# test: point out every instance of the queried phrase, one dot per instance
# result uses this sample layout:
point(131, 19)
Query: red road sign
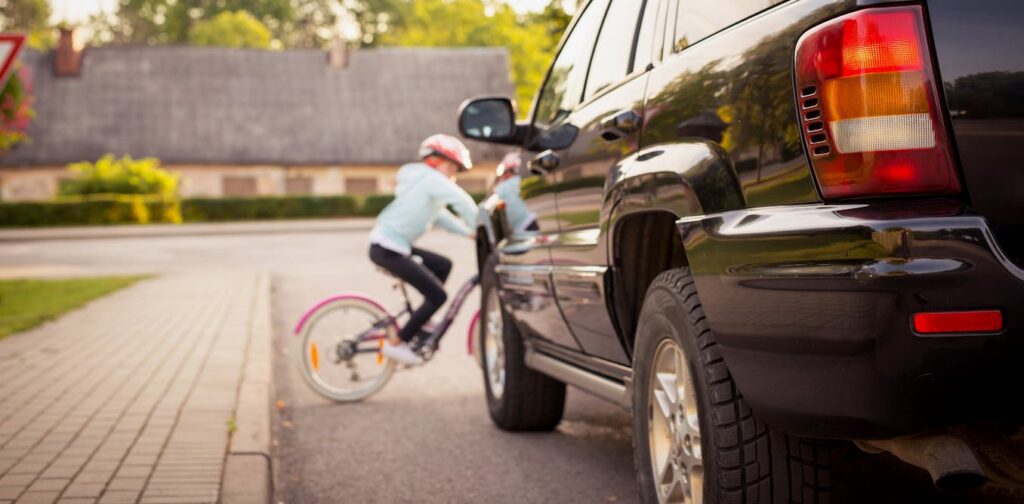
point(10, 46)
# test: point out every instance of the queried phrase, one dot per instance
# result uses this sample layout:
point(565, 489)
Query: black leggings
point(428, 278)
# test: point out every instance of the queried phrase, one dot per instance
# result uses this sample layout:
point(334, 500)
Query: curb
point(199, 229)
point(247, 472)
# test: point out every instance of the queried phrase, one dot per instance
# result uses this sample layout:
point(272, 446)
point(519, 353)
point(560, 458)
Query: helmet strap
point(433, 160)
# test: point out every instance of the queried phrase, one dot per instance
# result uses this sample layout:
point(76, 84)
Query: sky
point(76, 11)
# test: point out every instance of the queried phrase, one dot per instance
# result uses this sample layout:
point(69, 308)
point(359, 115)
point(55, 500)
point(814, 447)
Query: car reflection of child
point(423, 193)
point(520, 218)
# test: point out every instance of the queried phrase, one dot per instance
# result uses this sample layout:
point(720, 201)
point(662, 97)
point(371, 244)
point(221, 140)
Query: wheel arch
point(652, 190)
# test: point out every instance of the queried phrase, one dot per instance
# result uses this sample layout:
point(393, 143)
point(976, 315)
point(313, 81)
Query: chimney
point(68, 61)
point(338, 55)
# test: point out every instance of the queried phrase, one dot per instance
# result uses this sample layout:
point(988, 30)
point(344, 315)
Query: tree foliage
point(530, 39)
point(292, 23)
point(15, 108)
point(231, 29)
point(112, 175)
point(31, 17)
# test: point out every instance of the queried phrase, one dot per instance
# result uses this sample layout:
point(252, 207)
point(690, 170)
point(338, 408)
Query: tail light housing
point(869, 106)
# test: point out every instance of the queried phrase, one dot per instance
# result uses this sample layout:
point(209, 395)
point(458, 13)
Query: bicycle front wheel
point(341, 343)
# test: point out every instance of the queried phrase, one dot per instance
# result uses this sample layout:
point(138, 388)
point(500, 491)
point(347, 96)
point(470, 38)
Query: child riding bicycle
point(423, 193)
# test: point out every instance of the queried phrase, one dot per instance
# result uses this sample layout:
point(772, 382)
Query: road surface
point(427, 436)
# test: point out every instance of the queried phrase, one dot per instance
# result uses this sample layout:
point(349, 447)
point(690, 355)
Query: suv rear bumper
point(812, 305)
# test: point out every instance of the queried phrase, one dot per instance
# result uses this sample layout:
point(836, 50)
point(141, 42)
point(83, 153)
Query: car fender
point(688, 178)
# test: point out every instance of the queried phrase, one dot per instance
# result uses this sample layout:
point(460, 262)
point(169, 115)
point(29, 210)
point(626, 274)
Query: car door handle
point(543, 163)
point(621, 123)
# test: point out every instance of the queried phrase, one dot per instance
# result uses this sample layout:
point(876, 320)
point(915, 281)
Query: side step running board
point(600, 386)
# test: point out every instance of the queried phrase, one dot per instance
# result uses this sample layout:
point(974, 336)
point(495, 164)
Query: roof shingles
point(231, 106)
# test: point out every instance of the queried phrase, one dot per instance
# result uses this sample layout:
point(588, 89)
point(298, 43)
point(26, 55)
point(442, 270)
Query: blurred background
point(145, 111)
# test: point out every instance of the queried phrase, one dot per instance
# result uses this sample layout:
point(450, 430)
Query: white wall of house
point(41, 183)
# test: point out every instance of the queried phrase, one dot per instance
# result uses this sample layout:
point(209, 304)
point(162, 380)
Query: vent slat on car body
point(810, 121)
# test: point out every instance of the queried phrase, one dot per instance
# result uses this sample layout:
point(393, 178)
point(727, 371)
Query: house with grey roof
point(243, 122)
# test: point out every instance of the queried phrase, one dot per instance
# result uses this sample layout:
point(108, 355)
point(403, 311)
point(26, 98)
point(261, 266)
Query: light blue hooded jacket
point(519, 217)
point(421, 198)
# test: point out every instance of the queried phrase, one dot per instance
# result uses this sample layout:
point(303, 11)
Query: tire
point(319, 336)
point(736, 458)
point(518, 398)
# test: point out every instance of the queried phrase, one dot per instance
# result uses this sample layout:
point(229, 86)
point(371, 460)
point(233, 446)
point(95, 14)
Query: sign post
point(10, 46)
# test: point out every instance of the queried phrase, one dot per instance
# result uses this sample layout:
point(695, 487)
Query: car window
point(696, 19)
point(669, 29)
point(648, 32)
point(614, 45)
point(564, 87)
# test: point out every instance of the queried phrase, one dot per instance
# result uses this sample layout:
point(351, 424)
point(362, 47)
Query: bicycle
point(335, 354)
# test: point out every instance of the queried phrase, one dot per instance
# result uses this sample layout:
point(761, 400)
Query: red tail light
point(869, 106)
point(979, 321)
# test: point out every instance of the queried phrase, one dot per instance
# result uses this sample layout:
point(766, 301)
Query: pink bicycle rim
point(362, 297)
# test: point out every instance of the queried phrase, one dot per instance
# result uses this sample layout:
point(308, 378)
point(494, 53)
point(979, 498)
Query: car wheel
point(518, 398)
point(695, 439)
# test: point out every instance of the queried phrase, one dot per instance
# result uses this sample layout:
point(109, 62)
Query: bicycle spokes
point(351, 332)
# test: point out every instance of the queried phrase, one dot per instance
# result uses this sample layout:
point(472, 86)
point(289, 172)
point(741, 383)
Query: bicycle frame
point(435, 336)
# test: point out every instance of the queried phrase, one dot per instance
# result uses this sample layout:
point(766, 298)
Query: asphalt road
point(427, 436)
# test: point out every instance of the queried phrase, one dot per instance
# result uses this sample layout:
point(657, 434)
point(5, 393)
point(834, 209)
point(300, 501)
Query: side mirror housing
point(491, 119)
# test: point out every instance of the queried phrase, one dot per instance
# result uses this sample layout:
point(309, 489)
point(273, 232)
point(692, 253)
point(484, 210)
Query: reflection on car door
point(525, 269)
point(608, 121)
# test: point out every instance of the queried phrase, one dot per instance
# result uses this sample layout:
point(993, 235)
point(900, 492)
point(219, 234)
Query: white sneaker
point(401, 352)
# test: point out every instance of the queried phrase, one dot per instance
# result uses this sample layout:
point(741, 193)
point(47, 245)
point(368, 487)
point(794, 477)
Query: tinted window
point(614, 45)
point(645, 40)
point(564, 87)
point(669, 29)
point(697, 19)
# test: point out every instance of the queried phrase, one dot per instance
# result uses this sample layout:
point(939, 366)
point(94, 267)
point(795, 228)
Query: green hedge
point(124, 209)
point(86, 210)
point(268, 208)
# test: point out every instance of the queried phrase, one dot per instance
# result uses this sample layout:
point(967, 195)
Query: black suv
point(768, 228)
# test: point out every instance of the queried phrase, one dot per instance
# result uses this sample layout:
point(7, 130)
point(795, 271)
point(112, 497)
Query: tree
point(31, 17)
point(374, 17)
point(231, 29)
point(292, 23)
point(554, 19)
point(476, 23)
point(15, 108)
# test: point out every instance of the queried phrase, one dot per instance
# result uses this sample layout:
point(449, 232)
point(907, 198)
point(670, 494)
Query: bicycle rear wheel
point(340, 354)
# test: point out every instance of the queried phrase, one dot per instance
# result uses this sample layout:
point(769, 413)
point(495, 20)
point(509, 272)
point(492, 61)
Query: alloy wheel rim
point(494, 346)
point(674, 428)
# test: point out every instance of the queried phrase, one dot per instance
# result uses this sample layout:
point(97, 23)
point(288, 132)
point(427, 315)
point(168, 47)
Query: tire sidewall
point(664, 316)
point(489, 282)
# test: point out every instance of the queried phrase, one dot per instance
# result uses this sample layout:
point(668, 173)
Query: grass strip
point(25, 304)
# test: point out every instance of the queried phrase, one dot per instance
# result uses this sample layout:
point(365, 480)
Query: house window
point(239, 186)
point(298, 185)
point(361, 185)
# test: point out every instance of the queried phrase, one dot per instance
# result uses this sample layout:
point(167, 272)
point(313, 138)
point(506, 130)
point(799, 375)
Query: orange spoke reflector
point(314, 357)
point(380, 356)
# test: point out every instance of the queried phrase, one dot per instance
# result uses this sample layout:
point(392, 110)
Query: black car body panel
point(978, 50)
point(812, 307)
point(811, 301)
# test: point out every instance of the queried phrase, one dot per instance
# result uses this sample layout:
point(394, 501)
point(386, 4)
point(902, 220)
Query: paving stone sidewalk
point(129, 399)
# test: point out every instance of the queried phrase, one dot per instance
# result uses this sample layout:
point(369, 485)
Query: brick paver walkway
point(129, 399)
